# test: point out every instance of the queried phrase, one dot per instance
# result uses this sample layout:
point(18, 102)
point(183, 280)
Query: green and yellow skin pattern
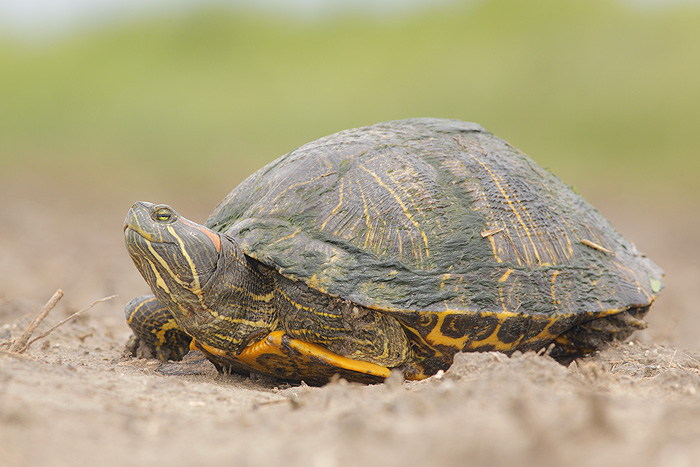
point(243, 315)
point(387, 247)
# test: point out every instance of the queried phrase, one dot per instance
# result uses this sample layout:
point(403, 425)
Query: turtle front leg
point(284, 357)
point(156, 334)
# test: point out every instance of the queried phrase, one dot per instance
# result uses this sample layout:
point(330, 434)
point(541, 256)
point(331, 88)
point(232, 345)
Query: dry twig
point(20, 344)
point(488, 233)
point(73, 316)
point(595, 246)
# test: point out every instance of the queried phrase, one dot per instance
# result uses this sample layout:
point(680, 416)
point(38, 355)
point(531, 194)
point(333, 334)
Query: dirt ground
point(75, 399)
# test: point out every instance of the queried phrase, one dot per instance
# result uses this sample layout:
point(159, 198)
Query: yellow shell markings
point(542, 233)
point(400, 202)
point(556, 239)
point(524, 219)
point(370, 231)
point(287, 237)
point(555, 273)
point(459, 170)
point(542, 259)
point(497, 230)
point(512, 200)
point(406, 178)
point(274, 202)
point(569, 244)
point(378, 236)
point(633, 274)
point(436, 337)
point(594, 238)
point(376, 226)
point(501, 282)
point(342, 221)
point(338, 206)
point(444, 278)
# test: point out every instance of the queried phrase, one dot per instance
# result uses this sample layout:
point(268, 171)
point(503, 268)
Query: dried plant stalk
point(20, 344)
point(73, 316)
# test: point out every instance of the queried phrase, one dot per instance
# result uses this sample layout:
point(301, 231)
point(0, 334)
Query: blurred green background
point(605, 93)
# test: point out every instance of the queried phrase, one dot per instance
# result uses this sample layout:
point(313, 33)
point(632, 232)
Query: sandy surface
point(75, 399)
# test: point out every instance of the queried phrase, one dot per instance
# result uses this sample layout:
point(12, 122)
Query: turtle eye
point(162, 214)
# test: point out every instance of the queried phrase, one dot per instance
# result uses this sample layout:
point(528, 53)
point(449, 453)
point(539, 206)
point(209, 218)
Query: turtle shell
point(435, 218)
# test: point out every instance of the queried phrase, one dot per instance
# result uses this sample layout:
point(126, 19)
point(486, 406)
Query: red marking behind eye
point(213, 236)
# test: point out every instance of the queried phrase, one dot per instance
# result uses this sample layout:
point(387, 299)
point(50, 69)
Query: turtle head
point(201, 276)
point(177, 257)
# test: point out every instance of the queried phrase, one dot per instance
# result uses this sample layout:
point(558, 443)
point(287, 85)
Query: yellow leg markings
point(137, 310)
point(337, 208)
point(406, 212)
point(267, 298)
point(299, 306)
point(160, 334)
point(513, 208)
point(256, 324)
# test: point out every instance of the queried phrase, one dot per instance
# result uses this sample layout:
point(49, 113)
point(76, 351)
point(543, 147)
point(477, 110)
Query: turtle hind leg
point(592, 335)
point(156, 334)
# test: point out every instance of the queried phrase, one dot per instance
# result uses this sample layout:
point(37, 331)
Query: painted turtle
point(389, 246)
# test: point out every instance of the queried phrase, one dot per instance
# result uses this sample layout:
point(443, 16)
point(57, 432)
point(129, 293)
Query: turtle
point(390, 247)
